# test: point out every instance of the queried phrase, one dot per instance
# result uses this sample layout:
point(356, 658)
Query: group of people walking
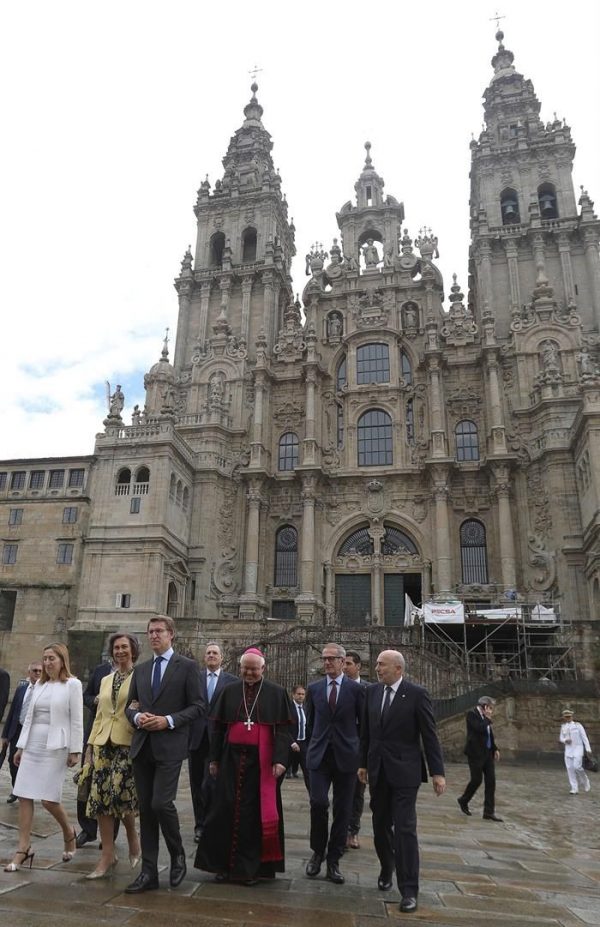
point(241, 736)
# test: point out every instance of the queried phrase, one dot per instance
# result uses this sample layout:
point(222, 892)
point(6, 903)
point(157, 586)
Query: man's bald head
point(389, 667)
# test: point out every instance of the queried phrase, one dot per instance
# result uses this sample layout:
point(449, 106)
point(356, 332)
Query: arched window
point(249, 245)
point(172, 600)
point(375, 439)
point(286, 557)
point(473, 552)
point(373, 363)
point(406, 367)
point(124, 476)
point(410, 421)
point(509, 207)
point(288, 451)
point(341, 377)
point(217, 244)
point(467, 440)
point(547, 201)
point(172, 487)
point(396, 542)
point(359, 542)
point(142, 475)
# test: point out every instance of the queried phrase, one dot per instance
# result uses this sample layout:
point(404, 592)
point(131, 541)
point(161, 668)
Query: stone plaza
point(540, 867)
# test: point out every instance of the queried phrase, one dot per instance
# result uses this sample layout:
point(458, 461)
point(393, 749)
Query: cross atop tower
point(254, 71)
point(497, 18)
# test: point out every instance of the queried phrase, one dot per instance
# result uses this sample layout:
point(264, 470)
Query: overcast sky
point(113, 113)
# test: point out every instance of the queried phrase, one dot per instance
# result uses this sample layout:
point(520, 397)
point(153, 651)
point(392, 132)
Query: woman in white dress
point(51, 740)
point(575, 739)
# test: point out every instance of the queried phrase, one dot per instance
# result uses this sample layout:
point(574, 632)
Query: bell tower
point(525, 227)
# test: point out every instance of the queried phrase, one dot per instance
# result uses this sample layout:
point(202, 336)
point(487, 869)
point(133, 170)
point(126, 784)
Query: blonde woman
point(51, 740)
point(112, 792)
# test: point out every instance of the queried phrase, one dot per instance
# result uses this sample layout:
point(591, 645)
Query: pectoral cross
point(248, 724)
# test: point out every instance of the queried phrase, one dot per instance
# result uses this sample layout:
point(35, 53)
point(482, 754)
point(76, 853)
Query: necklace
point(248, 723)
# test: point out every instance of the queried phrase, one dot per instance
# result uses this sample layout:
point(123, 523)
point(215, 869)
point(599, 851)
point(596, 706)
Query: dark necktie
point(300, 722)
point(332, 695)
point(156, 676)
point(386, 703)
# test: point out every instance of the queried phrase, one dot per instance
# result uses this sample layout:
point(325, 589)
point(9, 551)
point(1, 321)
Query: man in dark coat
point(89, 826)
point(213, 680)
point(243, 838)
point(164, 700)
point(334, 708)
point(352, 668)
point(15, 717)
point(397, 720)
point(297, 759)
point(4, 691)
point(482, 754)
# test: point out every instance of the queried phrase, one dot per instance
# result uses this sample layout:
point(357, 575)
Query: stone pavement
point(540, 867)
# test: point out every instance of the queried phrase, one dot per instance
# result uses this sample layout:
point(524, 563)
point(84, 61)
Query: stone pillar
point(329, 585)
point(252, 537)
point(510, 248)
point(267, 281)
point(505, 528)
point(309, 444)
point(308, 541)
point(496, 415)
point(443, 581)
point(438, 431)
point(564, 250)
point(592, 260)
point(256, 444)
point(246, 294)
point(426, 580)
point(485, 274)
point(184, 291)
point(204, 301)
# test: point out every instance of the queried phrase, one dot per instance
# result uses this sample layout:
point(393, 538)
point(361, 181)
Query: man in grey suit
point(165, 698)
point(213, 680)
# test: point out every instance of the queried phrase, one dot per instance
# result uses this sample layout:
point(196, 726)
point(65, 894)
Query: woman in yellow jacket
point(112, 792)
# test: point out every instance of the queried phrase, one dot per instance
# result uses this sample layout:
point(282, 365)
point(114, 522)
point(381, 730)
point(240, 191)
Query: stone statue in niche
point(216, 390)
point(550, 355)
point(586, 364)
point(350, 263)
point(411, 316)
point(370, 254)
point(388, 258)
point(334, 327)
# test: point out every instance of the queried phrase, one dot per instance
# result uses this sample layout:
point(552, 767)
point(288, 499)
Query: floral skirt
point(113, 790)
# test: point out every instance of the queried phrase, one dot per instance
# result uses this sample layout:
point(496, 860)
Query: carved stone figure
point(411, 317)
point(549, 355)
point(216, 389)
point(370, 254)
point(334, 326)
point(136, 415)
point(117, 401)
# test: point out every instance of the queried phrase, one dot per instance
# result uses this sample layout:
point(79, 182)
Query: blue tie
point(488, 741)
point(156, 676)
point(210, 686)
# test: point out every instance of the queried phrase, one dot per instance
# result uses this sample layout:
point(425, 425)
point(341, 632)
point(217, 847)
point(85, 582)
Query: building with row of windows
point(327, 461)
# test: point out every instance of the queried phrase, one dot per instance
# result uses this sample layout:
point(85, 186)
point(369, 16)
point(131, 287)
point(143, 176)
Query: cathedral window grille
point(64, 554)
point(359, 542)
point(17, 480)
point(341, 376)
point(249, 246)
point(373, 364)
point(375, 439)
point(76, 478)
point(284, 610)
point(406, 367)
point(473, 552)
point(410, 421)
point(467, 441)
point(288, 451)
point(396, 542)
point(509, 207)
point(57, 479)
point(286, 557)
point(547, 201)
point(37, 478)
point(15, 517)
point(217, 246)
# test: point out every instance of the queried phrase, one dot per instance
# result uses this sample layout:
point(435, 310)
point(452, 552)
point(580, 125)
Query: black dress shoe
point(221, 877)
point(492, 817)
point(11, 798)
point(463, 805)
point(334, 875)
point(178, 870)
point(313, 866)
point(198, 831)
point(144, 883)
point(384, 882)
point(82, 838)
point(408, 905)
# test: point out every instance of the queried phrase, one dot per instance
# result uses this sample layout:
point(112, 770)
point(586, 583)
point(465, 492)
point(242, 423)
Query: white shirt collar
point(166, 655)
point(339, 679)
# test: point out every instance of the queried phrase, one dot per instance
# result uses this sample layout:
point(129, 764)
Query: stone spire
point(369, 186)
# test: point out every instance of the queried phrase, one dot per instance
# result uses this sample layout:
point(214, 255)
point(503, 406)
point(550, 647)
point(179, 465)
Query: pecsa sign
point(443, 613)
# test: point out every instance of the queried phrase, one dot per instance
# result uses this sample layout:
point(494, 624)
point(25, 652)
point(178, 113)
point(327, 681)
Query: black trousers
point(395, 832)
point(12, 749)
point(297, 760)
point(156, 784)
point(321, 780)
point(483, 770)
point(202, 784)
point(358, 804)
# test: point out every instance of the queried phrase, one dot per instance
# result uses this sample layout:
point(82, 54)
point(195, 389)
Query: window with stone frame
point(375, 439)
point(9, 553)
point(410, 421)
point(373, 363)
point(17, 479)
point(473, 552)
point(286, 557)
point(406, 367)
point(467, 440)
point(76, 478)
point(37, 478)
point(3, 481)
point(57, 479)
point(70, 515)
point(64, 553)
point(15, 517)
point(288, 451)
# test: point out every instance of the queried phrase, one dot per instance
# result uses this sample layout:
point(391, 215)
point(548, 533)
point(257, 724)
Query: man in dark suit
point(333, 711)
point(164, 699)
point(482, 754)
point(352, 667)
point(202, 785)
point(298, 745)
point(15, 717)
point(89, 826)
point(4, 691)
point(397, 719)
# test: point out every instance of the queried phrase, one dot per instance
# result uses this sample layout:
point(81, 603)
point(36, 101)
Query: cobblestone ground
point(540, 867)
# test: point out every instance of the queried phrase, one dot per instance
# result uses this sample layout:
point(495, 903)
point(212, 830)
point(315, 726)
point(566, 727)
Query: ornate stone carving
point(460, 327)
point(227, 513)
point(369, 310)
point(543, 561)
point(291, 343)
point(225, 574)
point(375, 497)
point(539, 503)
point(290, 412)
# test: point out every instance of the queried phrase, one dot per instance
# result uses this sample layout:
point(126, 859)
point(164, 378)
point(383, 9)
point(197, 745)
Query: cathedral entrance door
point(395, 587)
point(353, 598)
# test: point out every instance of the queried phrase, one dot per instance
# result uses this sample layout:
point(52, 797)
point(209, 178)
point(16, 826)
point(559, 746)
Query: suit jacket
point(200, 728)
point(111, 723)
point(91, 691)
point(4, 691)
point(296, 724)
point(179, 696)
point(339, 728)
point(11, 725)
point(394, 746)
point(66, 715)
point(476, 747)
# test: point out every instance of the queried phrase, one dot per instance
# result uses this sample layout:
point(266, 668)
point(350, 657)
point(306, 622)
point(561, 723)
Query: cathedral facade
point(336, 459)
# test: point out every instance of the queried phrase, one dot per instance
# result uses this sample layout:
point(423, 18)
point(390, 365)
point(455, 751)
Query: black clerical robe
point(243, 834)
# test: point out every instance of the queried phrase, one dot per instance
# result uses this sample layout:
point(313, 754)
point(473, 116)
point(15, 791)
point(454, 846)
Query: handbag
point(590, 763)
point(83, 781)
